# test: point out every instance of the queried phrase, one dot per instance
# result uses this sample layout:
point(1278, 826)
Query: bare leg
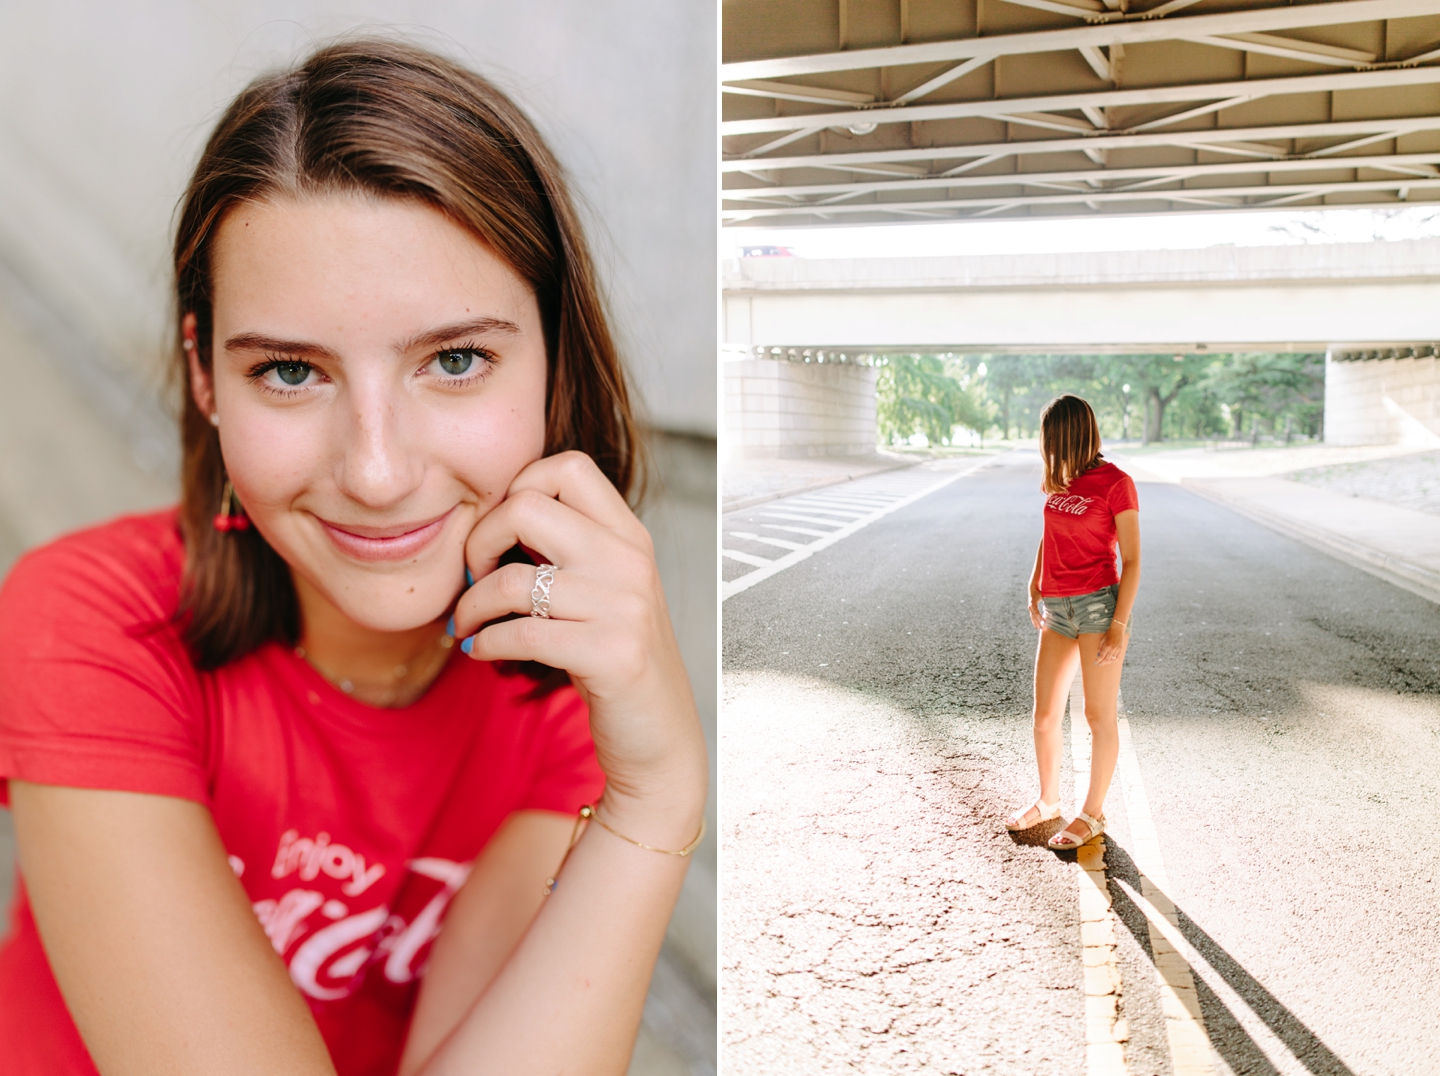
point(1055, 660)
point(1102, 693)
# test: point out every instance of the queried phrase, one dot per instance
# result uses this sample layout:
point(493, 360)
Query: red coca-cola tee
point(350, 827)
point(1078, 551)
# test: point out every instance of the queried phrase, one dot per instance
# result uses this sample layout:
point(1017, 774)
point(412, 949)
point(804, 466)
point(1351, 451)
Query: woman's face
point(379, 376)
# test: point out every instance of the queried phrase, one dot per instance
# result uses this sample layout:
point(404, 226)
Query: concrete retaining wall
point(780, 409)
point(1383, 402)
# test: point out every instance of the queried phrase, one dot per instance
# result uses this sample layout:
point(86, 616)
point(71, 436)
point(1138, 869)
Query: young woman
point(1081, 607)
point(251, 775)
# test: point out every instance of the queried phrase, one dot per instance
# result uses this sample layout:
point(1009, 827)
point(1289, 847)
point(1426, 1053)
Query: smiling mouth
point(395, 542)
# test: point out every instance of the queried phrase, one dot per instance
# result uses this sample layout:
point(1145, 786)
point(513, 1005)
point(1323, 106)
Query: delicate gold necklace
point(402, 677)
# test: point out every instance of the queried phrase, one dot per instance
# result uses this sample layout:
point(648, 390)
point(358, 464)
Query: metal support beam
point(1149, 27)
point(1249, 88)
point(942, 79)
point(1290, 49)
point(787, 91)
point(1191, 113)
point(1223, 140)
point(1151, 173)
point(793, 136)
point(1218, 197)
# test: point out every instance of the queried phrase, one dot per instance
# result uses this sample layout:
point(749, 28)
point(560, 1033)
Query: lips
point(398, 541)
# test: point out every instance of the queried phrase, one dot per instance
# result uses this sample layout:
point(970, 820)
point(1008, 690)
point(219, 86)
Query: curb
point(1406, 574)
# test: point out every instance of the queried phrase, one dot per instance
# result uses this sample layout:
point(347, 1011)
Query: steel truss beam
point(1212, 138)
point(1249, 89)
point(1155, 173)
point(1137, 29)
point(1212, 197)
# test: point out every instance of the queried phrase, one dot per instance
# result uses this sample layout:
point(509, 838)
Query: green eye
point(292, 373)
point(456, 362)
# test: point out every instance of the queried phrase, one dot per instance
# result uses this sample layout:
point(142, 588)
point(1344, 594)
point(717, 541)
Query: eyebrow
point(446, 333)
point(432, 338)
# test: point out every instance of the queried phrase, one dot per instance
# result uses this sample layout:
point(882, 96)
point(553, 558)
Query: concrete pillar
point(1382, 401)
point(780, 409)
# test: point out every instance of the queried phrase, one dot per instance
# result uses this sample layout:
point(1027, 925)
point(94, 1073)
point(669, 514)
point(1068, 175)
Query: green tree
point(1271, 388)
point(925, 394)
point(1161, 379)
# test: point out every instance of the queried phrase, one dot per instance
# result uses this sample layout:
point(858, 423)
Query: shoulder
point(1119, 487)
point(124, 574)
point(101, 691)
point(139, 554)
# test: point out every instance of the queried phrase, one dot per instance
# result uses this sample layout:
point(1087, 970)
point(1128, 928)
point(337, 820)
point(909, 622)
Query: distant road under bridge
point(1373, 307)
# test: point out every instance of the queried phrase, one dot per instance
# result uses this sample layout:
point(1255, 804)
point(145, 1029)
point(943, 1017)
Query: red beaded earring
point(231, 516)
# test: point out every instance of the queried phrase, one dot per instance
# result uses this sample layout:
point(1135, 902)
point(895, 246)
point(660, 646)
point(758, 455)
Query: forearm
point(569, 998)
point(1036, 571)
point(1129, 587)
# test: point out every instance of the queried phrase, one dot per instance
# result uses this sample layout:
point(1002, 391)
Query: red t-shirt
point(1078, 554)
point(350, 827)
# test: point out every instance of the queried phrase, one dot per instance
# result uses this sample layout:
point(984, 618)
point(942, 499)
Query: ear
point(202, 387)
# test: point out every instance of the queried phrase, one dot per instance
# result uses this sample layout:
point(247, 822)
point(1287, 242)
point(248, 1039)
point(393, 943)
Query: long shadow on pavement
point(1227, 1035)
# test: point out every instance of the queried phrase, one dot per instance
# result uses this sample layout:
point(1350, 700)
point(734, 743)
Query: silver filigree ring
point(540, 595)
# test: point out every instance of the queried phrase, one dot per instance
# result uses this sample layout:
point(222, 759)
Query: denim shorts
point(1088, 614)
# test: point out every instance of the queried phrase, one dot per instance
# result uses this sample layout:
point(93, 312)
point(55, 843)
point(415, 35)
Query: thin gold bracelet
point(588, 813)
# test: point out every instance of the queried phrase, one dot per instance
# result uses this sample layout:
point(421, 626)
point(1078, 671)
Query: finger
point(561, 644)
point(559, 533)
point(511, 589)
point(574, 479)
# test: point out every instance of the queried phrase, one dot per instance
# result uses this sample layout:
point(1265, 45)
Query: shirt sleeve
point(96, 687)
point(566, 775)
point(1123, 497)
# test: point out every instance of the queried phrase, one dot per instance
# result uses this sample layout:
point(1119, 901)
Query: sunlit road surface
point(1284, 716)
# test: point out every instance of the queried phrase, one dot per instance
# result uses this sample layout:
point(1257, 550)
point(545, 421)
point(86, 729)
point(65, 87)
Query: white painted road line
point(779, 543)
point(746, 558)
point(1105, 1029)
point(745, 582)
point(795, 530)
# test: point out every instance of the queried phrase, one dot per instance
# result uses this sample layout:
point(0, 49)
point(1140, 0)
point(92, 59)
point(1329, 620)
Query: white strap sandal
point(1065, 840)
point(1046, 811)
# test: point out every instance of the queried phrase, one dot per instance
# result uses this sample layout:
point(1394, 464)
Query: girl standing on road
point(1081, 607)
point(251, 775)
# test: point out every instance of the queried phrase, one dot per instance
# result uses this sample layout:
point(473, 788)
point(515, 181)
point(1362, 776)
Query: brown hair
point(1069, 442)
point(385, 119)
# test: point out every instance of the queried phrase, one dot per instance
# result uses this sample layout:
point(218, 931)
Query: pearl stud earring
point(215, 418)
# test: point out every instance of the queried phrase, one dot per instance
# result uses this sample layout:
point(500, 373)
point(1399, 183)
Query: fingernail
point(450, 627)
point(468, 645)
point(469, 578)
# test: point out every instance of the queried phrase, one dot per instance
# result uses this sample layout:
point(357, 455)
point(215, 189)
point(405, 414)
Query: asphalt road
point(877, 917)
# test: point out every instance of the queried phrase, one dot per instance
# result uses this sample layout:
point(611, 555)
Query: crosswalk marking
point(780, 543)
point(745, 558)
point(831, 516)
point(802, 519)
point(795, 530)
point(810, 506)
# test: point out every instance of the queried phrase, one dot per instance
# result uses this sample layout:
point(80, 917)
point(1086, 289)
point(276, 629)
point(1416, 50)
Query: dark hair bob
point(1069, 442)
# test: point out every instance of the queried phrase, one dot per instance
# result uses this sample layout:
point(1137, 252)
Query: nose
point(377, 465)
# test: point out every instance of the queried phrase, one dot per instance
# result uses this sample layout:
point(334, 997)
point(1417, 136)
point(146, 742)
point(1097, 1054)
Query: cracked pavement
point(876, 916)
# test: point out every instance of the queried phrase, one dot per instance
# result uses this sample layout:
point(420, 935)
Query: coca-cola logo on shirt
point(1072, 503)
point(328, 945)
